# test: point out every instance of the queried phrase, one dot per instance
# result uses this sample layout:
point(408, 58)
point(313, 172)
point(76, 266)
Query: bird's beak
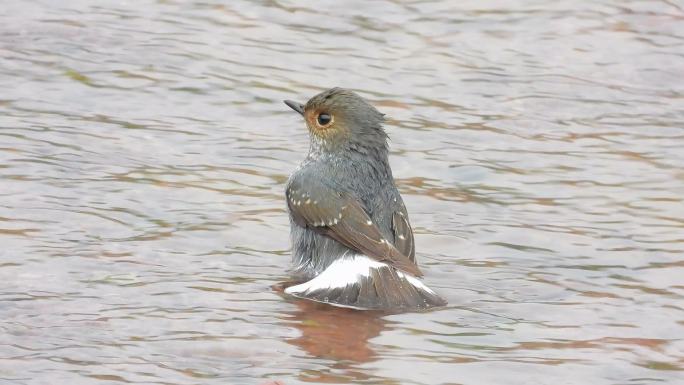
point(295, 106)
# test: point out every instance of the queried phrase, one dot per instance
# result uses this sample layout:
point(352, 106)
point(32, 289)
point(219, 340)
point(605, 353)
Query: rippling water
point(144, 146)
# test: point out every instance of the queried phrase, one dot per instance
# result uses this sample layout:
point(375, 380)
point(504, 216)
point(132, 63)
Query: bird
point(352, 242)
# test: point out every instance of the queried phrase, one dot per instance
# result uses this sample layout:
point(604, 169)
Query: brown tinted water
point(143, 149)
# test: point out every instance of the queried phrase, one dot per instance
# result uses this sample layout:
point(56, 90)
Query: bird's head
point(339, 119)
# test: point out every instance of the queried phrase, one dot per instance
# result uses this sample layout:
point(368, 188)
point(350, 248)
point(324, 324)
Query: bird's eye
point(324, 119)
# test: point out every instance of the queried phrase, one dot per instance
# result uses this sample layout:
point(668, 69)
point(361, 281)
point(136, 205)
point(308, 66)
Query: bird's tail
point(363, 283)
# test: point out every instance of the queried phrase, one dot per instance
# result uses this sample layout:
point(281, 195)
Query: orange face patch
point(318, 120)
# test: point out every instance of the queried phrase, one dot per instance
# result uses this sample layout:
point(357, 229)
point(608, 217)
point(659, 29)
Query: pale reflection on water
point(339, 335)
point(143, 152)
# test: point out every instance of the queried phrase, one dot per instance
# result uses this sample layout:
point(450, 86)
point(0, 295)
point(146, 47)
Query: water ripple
point(143, 152)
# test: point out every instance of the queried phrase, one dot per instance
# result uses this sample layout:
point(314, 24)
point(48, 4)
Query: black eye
point(324, 119)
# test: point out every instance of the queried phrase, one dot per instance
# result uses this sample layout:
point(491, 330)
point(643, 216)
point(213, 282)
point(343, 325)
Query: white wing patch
point(347, 271)
point(415, 282)
point(344, 271)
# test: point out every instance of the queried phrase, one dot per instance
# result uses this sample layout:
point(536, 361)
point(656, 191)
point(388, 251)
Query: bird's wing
point(341, 217)
point(403, 235)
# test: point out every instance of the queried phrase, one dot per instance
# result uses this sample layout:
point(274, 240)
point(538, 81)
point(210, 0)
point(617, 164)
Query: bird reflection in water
point(335, 333)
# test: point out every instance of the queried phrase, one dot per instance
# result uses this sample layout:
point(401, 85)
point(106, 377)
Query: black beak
point(295, 106)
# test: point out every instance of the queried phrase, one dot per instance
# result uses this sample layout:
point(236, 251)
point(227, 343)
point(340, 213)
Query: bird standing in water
point(352, 242)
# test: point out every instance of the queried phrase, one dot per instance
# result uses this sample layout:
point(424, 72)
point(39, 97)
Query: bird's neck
point(360, 162)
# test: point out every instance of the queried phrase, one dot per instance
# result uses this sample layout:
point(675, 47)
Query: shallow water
point(144, 146)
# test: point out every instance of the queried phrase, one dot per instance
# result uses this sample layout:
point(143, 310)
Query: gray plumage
point(342, 202)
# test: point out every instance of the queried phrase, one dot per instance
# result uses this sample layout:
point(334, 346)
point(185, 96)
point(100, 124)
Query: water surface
point(144, 148)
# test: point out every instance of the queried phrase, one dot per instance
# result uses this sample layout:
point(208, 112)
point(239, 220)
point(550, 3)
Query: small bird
point(352, 243)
